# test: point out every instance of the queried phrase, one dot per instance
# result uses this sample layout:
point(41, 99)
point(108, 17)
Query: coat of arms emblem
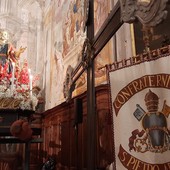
point(155, 136)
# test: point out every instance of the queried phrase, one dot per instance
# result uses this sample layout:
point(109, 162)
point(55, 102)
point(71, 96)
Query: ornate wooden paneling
point(67, 142)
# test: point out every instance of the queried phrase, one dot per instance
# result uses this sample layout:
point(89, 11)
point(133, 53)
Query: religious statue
point(16, 81)
point(8, 54)
point(5, 50)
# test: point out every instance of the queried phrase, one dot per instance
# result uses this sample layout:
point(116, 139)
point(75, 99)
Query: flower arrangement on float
point(18, 88)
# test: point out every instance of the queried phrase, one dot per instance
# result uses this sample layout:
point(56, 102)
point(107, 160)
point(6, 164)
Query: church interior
point(84, 85)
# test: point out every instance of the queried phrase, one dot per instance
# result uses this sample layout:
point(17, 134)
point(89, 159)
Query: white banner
point(140, 96)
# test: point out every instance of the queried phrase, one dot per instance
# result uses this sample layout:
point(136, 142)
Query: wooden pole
point(91, 121)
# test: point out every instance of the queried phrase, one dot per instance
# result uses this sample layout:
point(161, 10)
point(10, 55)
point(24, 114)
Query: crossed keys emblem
point(155, 136)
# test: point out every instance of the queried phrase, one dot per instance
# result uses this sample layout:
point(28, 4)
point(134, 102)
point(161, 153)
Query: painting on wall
point(68, 38)
point(73, 30)
point(56, 59)
point(101, 10)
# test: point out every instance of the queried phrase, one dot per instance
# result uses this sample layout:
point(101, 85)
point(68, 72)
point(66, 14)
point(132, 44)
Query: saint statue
point(6, 50)
point(8, 54)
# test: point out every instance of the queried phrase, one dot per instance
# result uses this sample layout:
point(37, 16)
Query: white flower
point(25, 105)
point(34, 102)
point(27, 102)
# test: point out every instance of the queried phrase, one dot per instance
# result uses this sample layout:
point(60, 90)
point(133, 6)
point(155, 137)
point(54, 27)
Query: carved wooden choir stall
point(65, 132)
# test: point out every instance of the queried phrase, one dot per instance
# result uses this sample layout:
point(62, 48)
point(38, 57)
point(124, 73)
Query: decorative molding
point(86, 53)
point(68, 86)
point(9, 103)
point(149, 12)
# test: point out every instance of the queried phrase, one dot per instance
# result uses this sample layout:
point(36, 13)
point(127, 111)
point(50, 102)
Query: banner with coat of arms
point(140, 100)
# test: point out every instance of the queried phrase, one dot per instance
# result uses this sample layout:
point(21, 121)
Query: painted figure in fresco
point(73, 26)
point(100, 13)
point(57, 72)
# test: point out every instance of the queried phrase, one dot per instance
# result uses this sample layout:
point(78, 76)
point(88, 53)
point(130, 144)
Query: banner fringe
point(140, 58)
